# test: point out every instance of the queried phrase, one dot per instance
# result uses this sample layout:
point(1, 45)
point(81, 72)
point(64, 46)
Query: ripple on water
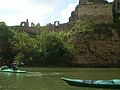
point(42, 74)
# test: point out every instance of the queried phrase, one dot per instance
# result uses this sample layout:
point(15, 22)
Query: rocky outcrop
point(97, 50)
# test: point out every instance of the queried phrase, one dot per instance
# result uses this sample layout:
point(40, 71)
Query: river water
point(50, 78)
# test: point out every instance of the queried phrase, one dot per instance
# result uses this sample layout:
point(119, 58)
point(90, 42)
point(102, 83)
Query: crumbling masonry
point(89, 11)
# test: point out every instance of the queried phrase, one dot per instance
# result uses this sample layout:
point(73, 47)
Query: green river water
point(49, 78)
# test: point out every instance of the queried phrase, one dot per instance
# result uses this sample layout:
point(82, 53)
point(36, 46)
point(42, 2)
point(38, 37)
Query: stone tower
point(25, 24)
point(93, 11)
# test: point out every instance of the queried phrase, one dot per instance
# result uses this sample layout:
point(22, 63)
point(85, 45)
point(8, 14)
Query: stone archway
point(56, 23)
point(22, 24)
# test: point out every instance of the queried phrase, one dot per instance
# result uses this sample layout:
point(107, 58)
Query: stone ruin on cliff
point(89, 11)
point(26, 24)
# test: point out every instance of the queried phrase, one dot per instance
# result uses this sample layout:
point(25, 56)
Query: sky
point(12, 12)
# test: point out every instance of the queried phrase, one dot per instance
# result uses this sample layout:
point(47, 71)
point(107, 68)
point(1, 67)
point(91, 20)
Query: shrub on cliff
point(80, 26)
point(101, 28)
point(116, 17)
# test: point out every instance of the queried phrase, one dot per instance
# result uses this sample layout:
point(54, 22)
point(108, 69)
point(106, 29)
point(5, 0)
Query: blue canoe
point(13, 71)
point(115, 83)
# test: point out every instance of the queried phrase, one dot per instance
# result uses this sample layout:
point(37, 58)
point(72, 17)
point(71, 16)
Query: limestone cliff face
point(97, 50)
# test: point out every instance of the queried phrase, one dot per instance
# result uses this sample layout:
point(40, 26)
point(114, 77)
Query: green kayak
point(115, 83)
point(13, 71)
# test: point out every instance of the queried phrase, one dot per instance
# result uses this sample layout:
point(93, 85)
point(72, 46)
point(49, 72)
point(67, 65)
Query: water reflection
point(10, 74)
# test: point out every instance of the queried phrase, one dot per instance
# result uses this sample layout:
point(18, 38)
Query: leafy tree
point(55, 47)
point(6, 54)
point(19, 58)
point(23, 44)
point(46, 48)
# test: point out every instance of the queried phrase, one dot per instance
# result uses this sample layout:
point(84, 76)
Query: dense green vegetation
point(41, 49)
point(102, 28)
point(6, 54)
point(117, 17)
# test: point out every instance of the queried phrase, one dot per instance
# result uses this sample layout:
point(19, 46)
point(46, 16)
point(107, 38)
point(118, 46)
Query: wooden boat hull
point(13, 71)
point(81, 83)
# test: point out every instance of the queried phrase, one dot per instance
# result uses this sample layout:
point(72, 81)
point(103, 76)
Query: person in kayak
point(15, 66)
point(4, 67)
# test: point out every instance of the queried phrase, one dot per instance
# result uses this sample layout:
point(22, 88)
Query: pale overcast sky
point(12, 12)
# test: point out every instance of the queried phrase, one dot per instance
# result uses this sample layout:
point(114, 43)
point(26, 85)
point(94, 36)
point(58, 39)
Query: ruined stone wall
point(25, 29)
point(98, 9)
point(97, 13)
point(62, 27)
